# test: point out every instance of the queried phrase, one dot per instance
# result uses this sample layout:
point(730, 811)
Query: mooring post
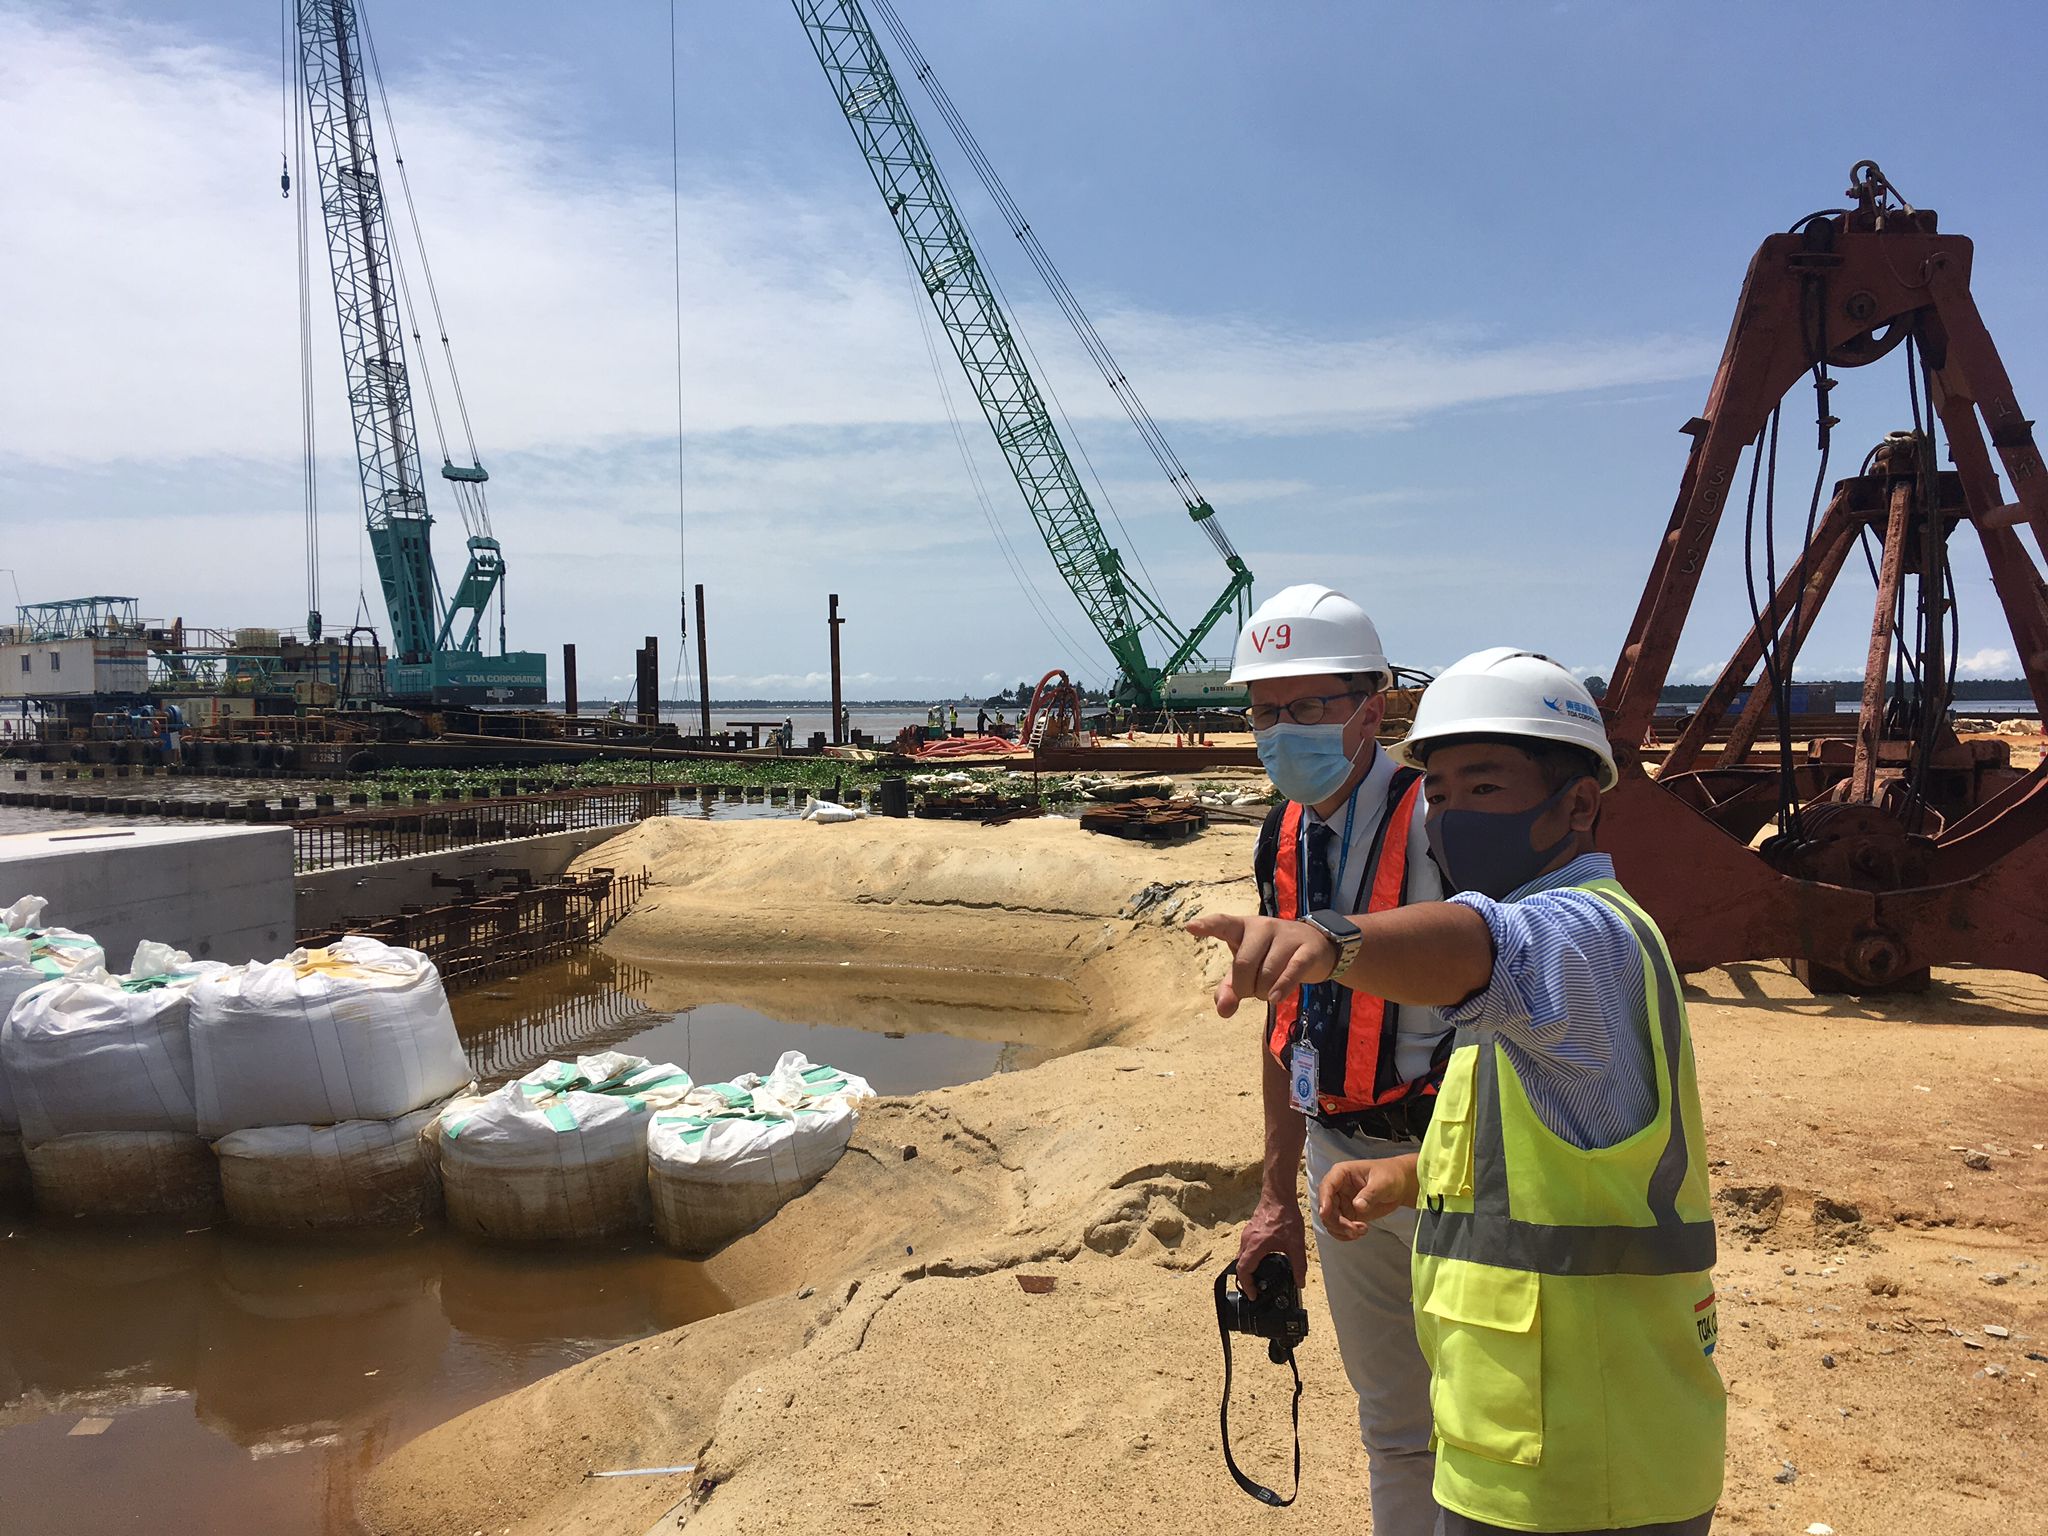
point(703, 670)
point(650, 681)
point(832, 623)
point(568, 679)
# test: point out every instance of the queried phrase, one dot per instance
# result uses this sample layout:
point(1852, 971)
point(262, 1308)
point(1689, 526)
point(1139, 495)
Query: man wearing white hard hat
point(1345, 1075)
point(1563, 1257)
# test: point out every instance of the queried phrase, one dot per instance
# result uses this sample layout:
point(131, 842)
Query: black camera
point(1275, 1315)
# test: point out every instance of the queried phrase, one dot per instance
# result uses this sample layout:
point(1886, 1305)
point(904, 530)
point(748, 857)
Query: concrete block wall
point(219, 893)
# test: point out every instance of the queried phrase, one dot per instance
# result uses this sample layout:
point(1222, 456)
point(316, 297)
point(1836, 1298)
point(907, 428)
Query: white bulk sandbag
point(103, 1054)
point(24, 914)
point(117, 1175)
point(559, 1154)
point(797, 1081)
point(359, 1030)
point(659, 1083)
point(360, 1173)
point(154, 959)
point(826, 812)
point(716, 1175)
point(13, 1172)
point(29, 957)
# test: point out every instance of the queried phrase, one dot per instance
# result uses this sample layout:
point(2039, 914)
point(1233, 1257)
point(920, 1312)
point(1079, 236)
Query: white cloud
point(1988, 661)
point(164, 320)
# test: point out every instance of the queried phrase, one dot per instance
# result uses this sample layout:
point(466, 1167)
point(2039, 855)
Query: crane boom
point(435, 655)
point(943, 254)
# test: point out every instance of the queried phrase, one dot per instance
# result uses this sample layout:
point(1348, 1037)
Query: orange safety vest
point(1355, 1060)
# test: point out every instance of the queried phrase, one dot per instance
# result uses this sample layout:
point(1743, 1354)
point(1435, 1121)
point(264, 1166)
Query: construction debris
point(1149, 820)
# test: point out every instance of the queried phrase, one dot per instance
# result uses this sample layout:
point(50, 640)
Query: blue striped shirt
point(1567, 1004)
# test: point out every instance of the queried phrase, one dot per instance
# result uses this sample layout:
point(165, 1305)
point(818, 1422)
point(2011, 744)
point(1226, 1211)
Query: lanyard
point(1343, 846)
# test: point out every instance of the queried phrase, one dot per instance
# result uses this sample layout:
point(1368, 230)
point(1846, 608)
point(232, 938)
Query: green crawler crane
point(1117, 603)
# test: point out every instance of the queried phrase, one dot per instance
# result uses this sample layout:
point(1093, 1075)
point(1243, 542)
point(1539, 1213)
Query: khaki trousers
point(1371, 1299)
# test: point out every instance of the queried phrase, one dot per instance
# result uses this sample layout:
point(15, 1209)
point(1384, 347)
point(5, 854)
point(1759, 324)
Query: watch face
point(1336, 925)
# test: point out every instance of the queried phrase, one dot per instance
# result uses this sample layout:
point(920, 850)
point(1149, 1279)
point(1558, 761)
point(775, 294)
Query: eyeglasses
point(1308, 711)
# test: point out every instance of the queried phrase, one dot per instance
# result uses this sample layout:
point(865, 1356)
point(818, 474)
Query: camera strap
point(1258, 1491)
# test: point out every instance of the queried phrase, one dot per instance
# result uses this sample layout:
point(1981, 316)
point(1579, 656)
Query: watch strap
point(1342, 932)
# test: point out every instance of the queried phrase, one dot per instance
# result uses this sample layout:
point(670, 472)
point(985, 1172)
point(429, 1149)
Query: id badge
point(1302, 1077)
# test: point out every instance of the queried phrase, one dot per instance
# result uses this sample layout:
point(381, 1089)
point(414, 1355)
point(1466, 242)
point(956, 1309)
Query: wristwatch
point(1340, 931)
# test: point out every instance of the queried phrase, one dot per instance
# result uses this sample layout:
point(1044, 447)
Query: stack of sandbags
point(737, 1152)
point(558, 1155)
point(319, 1073)
point(101, 1072)
point(30, 955)
point(358, 1173)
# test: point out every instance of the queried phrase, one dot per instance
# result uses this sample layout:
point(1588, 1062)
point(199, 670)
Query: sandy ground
point(1878, 1167)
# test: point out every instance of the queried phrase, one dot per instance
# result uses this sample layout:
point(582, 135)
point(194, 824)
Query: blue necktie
point(1318, 1003)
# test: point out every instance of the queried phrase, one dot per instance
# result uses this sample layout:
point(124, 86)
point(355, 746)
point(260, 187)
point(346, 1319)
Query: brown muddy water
point(180, 1383)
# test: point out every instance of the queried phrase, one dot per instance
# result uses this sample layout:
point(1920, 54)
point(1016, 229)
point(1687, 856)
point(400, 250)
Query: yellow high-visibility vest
point(1565, 1298)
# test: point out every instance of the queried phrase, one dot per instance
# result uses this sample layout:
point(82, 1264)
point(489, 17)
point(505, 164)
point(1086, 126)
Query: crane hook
point(284, 176)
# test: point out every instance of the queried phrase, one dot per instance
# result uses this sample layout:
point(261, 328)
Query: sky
point(1421, 296)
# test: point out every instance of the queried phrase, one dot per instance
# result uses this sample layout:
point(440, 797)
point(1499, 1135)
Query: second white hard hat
point(1305, 630)
point(1505, 692)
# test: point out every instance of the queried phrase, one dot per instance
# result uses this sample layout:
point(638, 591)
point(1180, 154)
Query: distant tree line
point(1966, 688)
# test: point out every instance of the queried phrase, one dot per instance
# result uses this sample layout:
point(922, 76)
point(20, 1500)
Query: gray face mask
point(1490, 851)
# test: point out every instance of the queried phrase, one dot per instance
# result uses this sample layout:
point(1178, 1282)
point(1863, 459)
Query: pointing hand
point(1269, 957)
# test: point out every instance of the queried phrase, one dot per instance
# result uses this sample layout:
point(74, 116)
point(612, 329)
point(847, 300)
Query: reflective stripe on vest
point(1357, 1062)
point(1564, 1296)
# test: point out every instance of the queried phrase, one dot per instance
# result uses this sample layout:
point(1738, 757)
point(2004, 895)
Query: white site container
point(736, 1153)
point(360, 1030)
point(122, 1175)
point(560, 1154)
point(360, 1173)
point(101, 1053)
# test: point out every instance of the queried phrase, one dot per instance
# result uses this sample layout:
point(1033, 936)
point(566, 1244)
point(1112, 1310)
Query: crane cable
point(1040, 375)
point(1084, 328)
point(1062, 640)
point(1932, 702)
point(291, 128)
point(1918, 703)
point(675, 212)
point(470, 497)
point(418, 235)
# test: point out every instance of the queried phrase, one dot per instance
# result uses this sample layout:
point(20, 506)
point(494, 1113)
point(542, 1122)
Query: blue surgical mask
point(1490, 851)
point(1307, 763)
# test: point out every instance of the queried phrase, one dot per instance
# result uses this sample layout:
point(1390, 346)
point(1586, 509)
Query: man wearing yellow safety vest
point(1564, 1245)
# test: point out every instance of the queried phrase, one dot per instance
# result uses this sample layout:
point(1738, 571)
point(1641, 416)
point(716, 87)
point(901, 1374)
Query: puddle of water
point(874, 1025)
point(251, 1383)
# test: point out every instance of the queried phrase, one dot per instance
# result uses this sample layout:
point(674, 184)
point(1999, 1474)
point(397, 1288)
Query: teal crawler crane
point(1117, 603)
point(437, 653)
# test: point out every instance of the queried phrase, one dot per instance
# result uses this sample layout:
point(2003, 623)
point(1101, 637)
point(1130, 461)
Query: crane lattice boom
point(943, 254)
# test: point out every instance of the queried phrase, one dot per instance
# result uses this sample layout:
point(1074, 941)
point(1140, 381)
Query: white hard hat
point(1509, 692)
point(1306, 630)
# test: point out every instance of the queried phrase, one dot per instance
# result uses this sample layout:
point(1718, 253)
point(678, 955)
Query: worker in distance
point(1563, 1241)
point(1346, 1075)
